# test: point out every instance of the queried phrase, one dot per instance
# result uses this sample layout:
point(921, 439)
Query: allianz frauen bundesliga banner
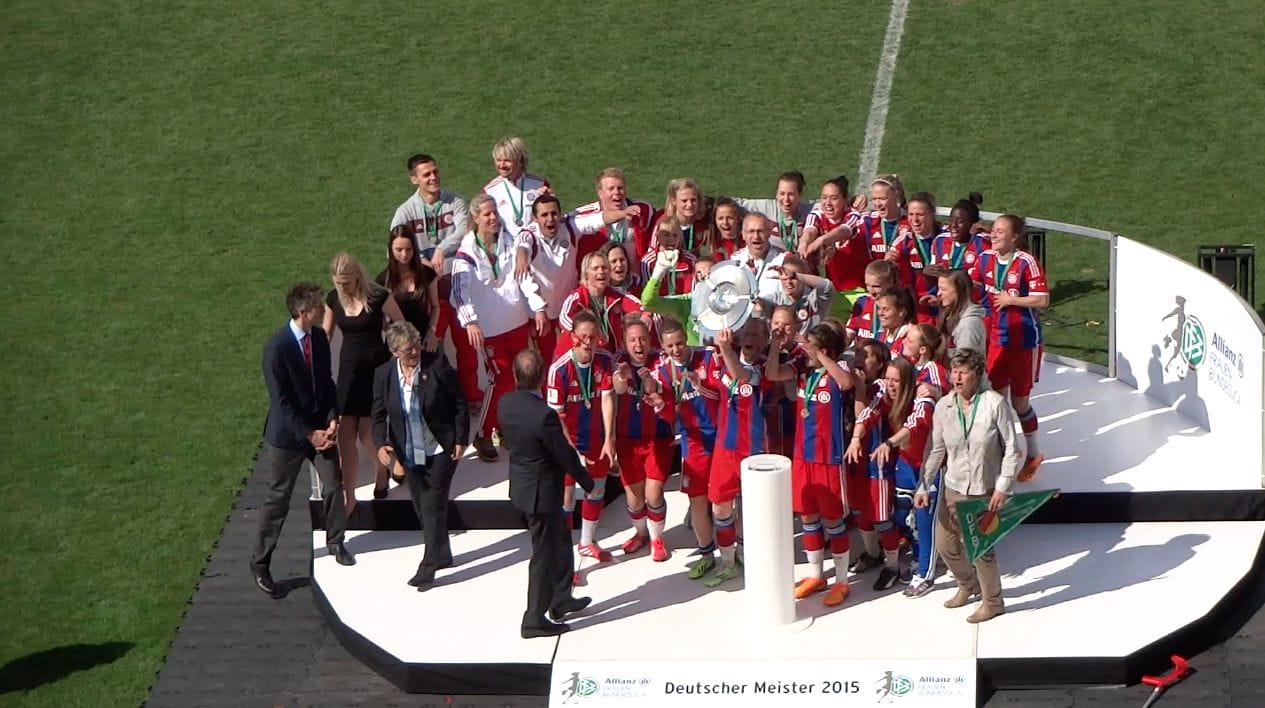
point(1187, 340)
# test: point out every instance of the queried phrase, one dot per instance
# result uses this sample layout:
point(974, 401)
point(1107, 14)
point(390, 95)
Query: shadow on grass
point(1065, 291)
point(52, 665)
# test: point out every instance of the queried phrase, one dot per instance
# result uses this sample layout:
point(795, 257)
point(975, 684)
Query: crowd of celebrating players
point(862, 303)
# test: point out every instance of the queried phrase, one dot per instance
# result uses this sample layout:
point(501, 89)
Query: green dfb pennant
point(982, 529)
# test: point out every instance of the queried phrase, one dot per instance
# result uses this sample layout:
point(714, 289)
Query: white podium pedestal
point(768, 550)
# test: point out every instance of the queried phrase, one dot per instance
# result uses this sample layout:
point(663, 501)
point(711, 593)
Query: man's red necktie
point(307, 351)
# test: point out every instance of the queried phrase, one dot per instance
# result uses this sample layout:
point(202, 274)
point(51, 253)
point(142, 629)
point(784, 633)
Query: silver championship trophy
point(726, 300)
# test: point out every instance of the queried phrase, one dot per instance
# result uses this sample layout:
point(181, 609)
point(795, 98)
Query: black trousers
point(283, 469)
point(551, 567)
point(429, 486)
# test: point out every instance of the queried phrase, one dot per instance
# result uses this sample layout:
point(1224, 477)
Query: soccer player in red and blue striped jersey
point(864, 325)
point(741, 432)
point(912, 253)
point(880, 227)
point(824, 394)
point(693, 374)
point(643, 439)
point(1014, 292)
point(579, 387)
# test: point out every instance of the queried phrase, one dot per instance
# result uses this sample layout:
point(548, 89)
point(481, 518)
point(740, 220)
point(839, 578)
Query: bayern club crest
point(823, 397)
point(1013, 278)
point(532, 194)
point(745, 390)
point(970, 256)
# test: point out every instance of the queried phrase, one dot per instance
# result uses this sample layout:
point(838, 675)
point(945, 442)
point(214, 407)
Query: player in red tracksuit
point(868, 367)
point(896, 421)
point(818, 489)
point(742, 432)
point(693, 377)
point(896, 314)
point(579, 387)
point(643, 439)
point(924, 348)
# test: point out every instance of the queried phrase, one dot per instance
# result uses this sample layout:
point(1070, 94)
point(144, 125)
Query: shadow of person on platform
point(29, 672)
point(506, 552)
point(1092, 432)
point(654, 594)
point(1104, 569)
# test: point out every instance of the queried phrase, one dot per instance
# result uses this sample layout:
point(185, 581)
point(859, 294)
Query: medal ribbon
point(966, 427)
point(598, 312)
point(522, 197)
point(584, 378)
point(810, 385)
point(493, 256)
point(1000, 270)
point(787, 228)
point(688, 237)
point(958, 253)
point(924, 249)
point(889, 233)
point(617, 233)
point(432, 220)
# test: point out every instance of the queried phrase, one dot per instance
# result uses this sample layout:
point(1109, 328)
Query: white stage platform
point(1094, 603)
point(1073, 592)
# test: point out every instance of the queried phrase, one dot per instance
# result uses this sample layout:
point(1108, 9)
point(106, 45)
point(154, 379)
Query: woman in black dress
point(415, 289)
point(360, 308)
point(413, 284)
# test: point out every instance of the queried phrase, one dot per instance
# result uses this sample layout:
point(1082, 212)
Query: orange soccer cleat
point(837, 594)
point(1030, 467)
point(808, 586)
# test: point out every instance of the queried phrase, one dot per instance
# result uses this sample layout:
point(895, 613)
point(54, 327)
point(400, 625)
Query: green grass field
point(169, 168)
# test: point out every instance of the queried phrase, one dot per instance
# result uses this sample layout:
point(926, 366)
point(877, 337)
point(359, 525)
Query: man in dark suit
point(421, 417)
point(302, 425)
point(540, 457)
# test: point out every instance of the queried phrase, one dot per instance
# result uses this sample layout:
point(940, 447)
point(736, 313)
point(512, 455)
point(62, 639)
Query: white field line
point(876, 124)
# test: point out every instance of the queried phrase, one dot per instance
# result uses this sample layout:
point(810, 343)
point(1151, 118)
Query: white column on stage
point(768, 550)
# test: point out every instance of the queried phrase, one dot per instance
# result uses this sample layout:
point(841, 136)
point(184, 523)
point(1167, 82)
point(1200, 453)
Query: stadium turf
point(169, 168)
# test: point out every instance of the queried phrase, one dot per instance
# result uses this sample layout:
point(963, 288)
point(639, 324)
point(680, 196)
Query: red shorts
point(640, 460)
point(858, 478)
point(598, 469)
point(817, 489)
point(1013, 367)
point(696, 469)
point(726, 476)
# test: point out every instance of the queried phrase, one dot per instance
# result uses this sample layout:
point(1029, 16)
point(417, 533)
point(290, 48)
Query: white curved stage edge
point(1150, 548)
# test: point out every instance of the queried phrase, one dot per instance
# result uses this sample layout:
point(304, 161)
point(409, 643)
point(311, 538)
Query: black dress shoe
point(381, 492)
point(551, 630)
point(263, 581)
point(423, 579)
point(572, 604)
point(341, 554)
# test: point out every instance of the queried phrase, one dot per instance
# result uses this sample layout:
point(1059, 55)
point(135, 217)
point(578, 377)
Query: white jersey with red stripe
point(553, 259)
point(514, 198)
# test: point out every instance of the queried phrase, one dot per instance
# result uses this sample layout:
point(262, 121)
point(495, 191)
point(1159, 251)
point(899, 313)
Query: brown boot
point(963, 598)
point(985, 612)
